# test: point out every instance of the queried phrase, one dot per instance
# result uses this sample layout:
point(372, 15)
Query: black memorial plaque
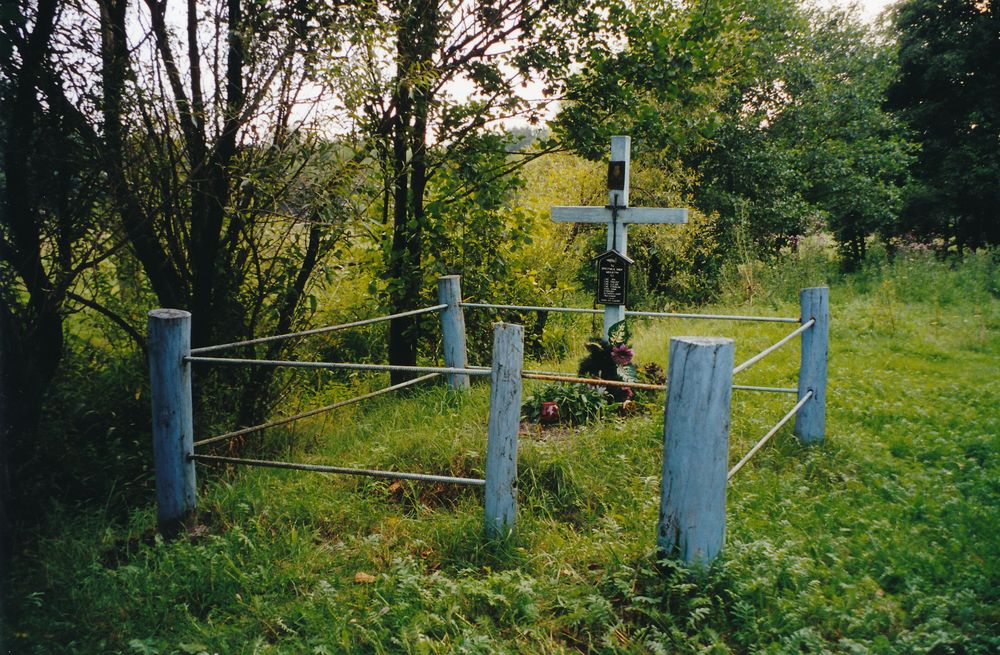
point(612, 278)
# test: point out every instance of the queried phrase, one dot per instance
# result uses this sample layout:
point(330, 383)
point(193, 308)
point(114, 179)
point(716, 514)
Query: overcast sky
point(869, 8)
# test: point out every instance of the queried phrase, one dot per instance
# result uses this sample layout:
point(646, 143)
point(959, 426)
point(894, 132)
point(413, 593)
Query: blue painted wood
point(504, 421)
point(692, 522)
point(169, 341)
point(810, 422)
point(453, 329)
point(621, 150)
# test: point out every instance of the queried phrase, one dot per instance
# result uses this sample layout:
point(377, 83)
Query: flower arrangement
point(609, 359)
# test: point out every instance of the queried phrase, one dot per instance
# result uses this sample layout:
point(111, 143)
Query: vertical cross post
point(169, 340)
point(692, 522)
point(504, 421)
point(621, 151)
point(810, 422)
point(453, 329)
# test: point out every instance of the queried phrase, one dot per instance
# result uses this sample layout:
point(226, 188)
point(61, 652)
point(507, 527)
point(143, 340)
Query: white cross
point(617, 215)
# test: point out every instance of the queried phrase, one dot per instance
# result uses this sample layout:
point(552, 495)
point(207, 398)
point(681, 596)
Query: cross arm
point(628, 215)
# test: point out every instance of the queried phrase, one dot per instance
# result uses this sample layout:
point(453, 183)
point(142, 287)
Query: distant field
point(884, 539)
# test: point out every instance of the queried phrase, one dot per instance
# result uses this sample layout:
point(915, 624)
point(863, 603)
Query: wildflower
point(622, 354)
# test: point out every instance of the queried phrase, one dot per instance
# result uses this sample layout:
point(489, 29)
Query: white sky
point(870, 9)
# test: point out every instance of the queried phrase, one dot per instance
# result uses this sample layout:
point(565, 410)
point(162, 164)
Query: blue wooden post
point(504, 422)
point(453, 329)
point(173, 430)
point(692, 523)
point(810, 422)
point(621, 150)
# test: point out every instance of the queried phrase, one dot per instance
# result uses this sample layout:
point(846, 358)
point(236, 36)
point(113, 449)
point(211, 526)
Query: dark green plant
point(946, 90)
point(578, 403)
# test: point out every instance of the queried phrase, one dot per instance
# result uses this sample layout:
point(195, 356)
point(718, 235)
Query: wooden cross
point(617, 215)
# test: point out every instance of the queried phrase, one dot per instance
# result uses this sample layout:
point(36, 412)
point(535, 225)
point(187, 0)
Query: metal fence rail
point(597, 382)
point(714, 317)
point(533, 308)
point(329, 328)
point(312, 412)
point(771, 433)
point(320, 468)
point(581, 310)
point(557, 376)
point(750, 387)
point(337, 365)
point(770, 349)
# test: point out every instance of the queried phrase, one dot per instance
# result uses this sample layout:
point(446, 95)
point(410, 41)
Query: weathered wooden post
point(810, 422)
point(453, 329)
point(505, 417)
point(173, 424)
point(692, 524)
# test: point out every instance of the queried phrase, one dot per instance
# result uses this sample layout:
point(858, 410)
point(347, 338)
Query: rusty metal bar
point(594, 381)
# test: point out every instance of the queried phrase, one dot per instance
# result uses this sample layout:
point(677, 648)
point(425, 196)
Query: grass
point(884, 539)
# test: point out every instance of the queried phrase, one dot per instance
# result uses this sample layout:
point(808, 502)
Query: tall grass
point(883, 539)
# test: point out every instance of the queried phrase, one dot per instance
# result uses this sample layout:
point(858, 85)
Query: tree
point(401, 87)
point(947, 90)
point(51, 228)
point(185, 155)
point(226, 199)
point(773, 109)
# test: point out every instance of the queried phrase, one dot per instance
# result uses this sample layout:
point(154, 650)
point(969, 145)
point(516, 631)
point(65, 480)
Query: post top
point(703, 341)
point(169, 314)
point(449, 277)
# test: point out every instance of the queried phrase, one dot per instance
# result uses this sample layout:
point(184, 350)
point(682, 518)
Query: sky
point(870, 9)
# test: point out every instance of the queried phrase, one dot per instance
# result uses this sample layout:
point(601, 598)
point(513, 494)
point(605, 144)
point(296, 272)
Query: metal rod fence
point(320, 468)
point(581, 310)
point(698, 420)
point(771, 433)
point(329, 328)
point(770, 349)
point(336, 365)
point(312, 412)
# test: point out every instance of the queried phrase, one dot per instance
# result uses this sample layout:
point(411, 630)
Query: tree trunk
point(404, 255)
point(31, 338)
point(416, 40)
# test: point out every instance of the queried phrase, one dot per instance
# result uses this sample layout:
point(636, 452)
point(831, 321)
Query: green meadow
point(883, 539)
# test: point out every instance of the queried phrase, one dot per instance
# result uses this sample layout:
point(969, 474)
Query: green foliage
point(773, 108)
point(805, 141)
point(579, 404)
point(946, 91)
point(661, 87)
point(680, 265)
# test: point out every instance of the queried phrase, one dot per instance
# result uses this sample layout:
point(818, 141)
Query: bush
point(578, 403)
